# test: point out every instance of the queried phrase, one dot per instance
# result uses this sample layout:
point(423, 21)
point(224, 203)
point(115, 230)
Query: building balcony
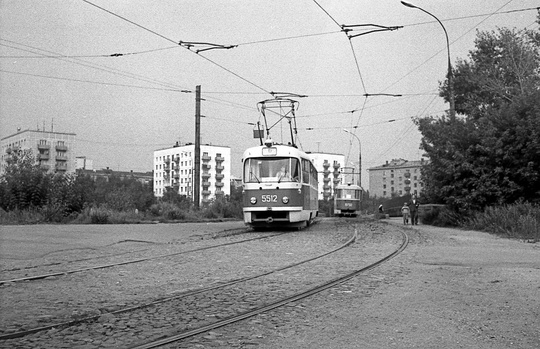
point(220, 176)
point(43, 157)
point(220, 192)
point(43, 146)
point(167, 161)
point(206, 166)
point(61, 147)
point(206, 192)
point(61, 158)
point(219, 168)
point(206, 201)
point(326, 179)
point(60, 166)
point(176, 176)
point(205, 175)
point(44, 167)
point(219, 184)
point(336, 165)
point(206, 158)
point(326, 187)
point(326, 172)
point(337, 181)
point(205, 184)
point(220, 159)
point(326, 164)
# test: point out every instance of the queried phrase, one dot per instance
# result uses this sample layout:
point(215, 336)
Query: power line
point(88, 64)
point(95, 55)
point(95, 82)
point(177, 42)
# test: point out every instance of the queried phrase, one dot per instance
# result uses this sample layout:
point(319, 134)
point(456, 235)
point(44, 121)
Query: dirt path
point(449, 289)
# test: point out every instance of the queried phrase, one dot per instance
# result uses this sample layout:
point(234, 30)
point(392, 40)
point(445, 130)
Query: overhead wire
point(178, 42)
point(77, 61)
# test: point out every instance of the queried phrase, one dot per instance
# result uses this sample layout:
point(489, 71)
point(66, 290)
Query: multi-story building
point(82, 163)
point(173, 168)
point(397, 177)
point(54, 151)
point(329, 166)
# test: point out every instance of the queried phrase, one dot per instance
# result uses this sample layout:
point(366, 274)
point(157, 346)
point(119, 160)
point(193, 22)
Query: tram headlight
point(285, 200)
point(253, 200)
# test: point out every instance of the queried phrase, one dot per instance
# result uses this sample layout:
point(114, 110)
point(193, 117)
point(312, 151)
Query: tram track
point(125, 262)
point(184, 293)
point(276, 304)
point(200, 306)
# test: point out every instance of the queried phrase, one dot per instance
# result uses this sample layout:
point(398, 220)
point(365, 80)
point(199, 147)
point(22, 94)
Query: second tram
point(280, 187)
point(347, 200)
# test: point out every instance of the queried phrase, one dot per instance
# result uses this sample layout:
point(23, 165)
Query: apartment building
point(54, 151)
point(397, 177)
point(173, 168)
point(329, 166)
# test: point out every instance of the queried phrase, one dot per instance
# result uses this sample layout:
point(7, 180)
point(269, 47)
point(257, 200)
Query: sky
point(115, 74)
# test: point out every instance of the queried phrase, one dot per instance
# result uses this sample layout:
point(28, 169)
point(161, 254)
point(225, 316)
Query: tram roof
point(274, 150)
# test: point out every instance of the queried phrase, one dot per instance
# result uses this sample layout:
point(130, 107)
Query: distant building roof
point(398, 163)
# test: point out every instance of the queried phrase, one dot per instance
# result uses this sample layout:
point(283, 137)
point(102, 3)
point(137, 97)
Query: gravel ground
point(449, 288)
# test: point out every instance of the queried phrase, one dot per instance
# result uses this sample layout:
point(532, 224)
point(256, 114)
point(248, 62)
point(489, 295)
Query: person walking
point(414, 210)
point(405, 211)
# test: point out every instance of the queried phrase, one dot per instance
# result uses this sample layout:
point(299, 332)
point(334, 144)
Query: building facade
point(54, 151)
point(397, 177)
point(329, 166)
point(173, 168)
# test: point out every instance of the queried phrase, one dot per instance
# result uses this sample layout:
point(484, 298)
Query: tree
point(24, 184)
point(491, 154)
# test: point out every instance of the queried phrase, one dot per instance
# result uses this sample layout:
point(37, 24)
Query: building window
point(384, 186)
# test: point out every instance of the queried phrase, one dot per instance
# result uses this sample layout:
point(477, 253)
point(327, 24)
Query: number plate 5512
point(268, 198)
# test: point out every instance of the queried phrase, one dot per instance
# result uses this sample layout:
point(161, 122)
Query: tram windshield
point(348, 194)
point(257, 170)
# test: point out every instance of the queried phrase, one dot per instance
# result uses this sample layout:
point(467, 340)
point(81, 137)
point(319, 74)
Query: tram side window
point(314, 175)
point(306, 170)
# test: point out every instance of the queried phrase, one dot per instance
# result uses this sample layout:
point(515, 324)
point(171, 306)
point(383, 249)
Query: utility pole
point(197, 166)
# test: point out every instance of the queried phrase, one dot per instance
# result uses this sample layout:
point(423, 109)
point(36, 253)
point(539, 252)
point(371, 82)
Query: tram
point(347, 200)
point(280, 187)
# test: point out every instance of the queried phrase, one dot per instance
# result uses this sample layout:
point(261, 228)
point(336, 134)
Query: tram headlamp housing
point(285, 200)
point(253, 200)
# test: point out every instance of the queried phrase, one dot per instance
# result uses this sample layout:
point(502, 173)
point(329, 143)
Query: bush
point(99, 215)
point(520, 220)
point(442, 217)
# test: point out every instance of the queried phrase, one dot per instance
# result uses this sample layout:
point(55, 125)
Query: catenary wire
point(173, 41)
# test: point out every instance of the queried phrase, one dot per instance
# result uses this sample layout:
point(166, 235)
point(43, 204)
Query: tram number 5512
point(269, 198)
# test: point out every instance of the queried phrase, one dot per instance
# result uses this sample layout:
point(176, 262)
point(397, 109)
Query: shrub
point(520, 220)
point(99, 215)
point(442, 217)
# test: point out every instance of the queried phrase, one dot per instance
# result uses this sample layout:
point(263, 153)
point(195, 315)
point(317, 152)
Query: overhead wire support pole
point(197, 163)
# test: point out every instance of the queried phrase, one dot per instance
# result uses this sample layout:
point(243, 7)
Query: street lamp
point(359, 157)
point(450, 74)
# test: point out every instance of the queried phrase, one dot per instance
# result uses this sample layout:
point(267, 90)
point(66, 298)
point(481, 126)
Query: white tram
point(280, 187)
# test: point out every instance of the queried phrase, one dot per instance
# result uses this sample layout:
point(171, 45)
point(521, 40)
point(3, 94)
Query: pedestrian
point(381, 209)
point(414, 211)
point(405, 211)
